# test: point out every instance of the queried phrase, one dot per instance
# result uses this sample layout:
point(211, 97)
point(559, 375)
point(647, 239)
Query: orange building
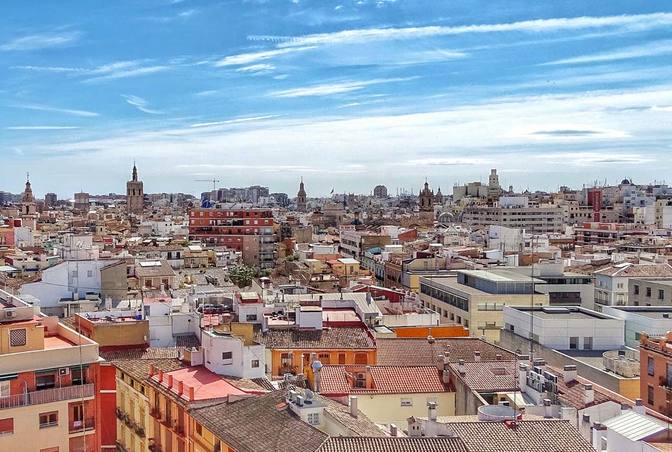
point(438, 332)
point(49, 383)
point(655, 375)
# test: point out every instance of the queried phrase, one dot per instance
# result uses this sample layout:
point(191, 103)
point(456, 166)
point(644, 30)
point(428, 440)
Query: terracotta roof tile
point(488, 376)
point(420, 352)
point(357, 338)
point(385, 380)
point(393, 444)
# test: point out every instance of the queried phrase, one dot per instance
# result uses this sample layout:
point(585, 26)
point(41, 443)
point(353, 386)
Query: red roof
point(384, 380)
point(207, 385)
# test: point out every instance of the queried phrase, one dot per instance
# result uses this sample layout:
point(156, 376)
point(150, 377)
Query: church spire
point(135, 172)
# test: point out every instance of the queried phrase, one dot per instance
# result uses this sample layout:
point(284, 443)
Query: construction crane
point(214, 182)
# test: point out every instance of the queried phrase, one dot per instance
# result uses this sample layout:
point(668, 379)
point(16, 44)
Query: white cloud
point(333, 88)
point(253, 57)
point(41, 127)
point(645, 50)
point(261, 68)
point(140, 103)
point(124, 70)
point(41, 41)
point(66, 111)
point(232, 121)
point(637, 21)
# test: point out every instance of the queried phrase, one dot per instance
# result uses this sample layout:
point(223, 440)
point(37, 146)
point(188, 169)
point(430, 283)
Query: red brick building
point(249, 230)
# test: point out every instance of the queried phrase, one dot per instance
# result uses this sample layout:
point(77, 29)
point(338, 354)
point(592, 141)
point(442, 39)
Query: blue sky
point(344, 94)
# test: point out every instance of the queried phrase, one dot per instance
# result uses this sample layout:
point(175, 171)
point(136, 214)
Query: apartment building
point(654, 320)
point(540, 220)
point(655, 375)
point(355, 243)
point(612, 284)
point(650, 292)
point(476, 298)
point(49, 383)
point(249, 230)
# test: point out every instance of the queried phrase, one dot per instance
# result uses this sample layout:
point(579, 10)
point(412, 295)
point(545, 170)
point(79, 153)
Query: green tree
point(242, 275)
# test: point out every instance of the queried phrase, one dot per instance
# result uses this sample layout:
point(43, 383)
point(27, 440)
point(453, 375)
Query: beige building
point(476, 298)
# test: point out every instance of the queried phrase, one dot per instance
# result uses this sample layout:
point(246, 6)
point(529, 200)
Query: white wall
point(240, 365)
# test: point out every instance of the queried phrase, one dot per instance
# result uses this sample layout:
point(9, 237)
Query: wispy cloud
point(328, 89)
point(66, 111)
point(108, 71)
point(646, 50)
point(262, 68)
point(635, 21)
point(41, 41)
point(41, 127)
point(595, 158)
point(253, 57)
point(140, 104)
point(233, 121)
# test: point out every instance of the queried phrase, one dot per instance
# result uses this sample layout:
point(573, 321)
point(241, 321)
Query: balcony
point(81, 426)
point(47, 396)
point(666, 383)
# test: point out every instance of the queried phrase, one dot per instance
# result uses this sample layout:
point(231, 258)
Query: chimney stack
point(522, 376)
point(439, 361)
point(170, 381)
point(460, 367)
point(160, 376)
point(569, 373)
point(498, 356)
point(191, 393)
point(639, 406)
point(588, 394)
point(548, 414)
point(477, 355)
point(354, 412)
point(598, 432)
point(393, 430)
point(152, 370)
point(431, 411)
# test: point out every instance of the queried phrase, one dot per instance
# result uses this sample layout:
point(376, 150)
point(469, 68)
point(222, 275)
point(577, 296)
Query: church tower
point(438, 198)
point(135, 195)
point(28, 207)
point(301, 198)
point(426, 199)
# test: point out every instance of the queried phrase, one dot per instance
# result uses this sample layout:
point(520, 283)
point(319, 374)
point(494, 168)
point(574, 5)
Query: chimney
point(354, 412)
point(431, 411)
point(639, 406)
point(588, 394)
point(477, 355)
point(598, 433)
point(170, 381)
point(624, 407)
point(460, 367)
point(179, 386)
point(586, 419)
point(152, 370)
point(548, 414)
point(569, 373)
point(445, 377)
point(160, 374)
point(498, 356)
point(522, 376)
point(191, 393)
point(393, 430)
point(439, 361)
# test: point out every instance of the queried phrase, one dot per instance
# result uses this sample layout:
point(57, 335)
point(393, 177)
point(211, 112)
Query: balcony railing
point(82, 426)
point(47, 396)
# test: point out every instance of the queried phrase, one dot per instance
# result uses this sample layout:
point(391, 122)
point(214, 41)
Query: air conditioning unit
point(63, 371)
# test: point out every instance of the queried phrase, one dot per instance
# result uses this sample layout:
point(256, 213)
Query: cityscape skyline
point(348, 93)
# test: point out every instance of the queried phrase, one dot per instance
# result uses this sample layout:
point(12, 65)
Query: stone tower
point(135, 195)
point(301, 198)
point(426, 199)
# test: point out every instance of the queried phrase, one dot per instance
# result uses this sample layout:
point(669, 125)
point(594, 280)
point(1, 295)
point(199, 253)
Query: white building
point(565, 328)
point(226, 353)
point(654, 320)
point(611, 283)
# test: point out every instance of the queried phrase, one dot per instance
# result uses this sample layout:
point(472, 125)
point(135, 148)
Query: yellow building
point(476, 298)
point(388, 394)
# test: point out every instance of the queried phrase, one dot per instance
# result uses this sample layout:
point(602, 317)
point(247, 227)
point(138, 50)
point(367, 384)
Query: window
point(314, 418)
point(648, 291)
point(78, 413)
point(6, 426)
point(360, 358)
point(341, 358)
point(89, 273)
point(650, 366)
point(587, 343)
point(649, 395)
point(78, 376)
point(255, 363)
point(661, 294)
point(636, 290)
point(199, 429)
point(227, 356)
point(637, 336)
point(251, 317)
point(406, 402)
point(323, 357)
point(573, 343)
point(17, 338)
point(4, 388)
point(46, 381)
point(49, 419)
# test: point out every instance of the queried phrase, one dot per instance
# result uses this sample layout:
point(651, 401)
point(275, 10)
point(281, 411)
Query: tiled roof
point(488, 376)
point(393, 444)
point(637, 270)
point(420, 352)
point(385, 380)
point(259, 423)
point(139, 353)
point(359, 426)
point(525, 436)
point(329, 338)
point(572, 393)
point(138, 369)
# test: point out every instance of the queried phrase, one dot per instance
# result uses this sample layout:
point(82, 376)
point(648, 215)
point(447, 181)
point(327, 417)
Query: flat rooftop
point(557, 312)
point(652, 312)
point(501, 275)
